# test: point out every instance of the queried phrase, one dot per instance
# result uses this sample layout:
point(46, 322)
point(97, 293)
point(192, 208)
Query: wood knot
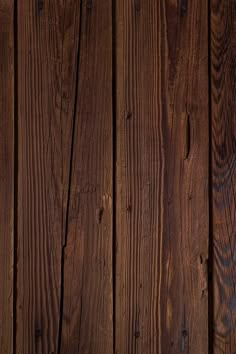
point(129, 208)
point(137, 5)
point(128, 116)
point(100, 212)
point(204, 275)
point(38, 333)
point(183, 7)
point(137, 334)
point(89, 5)
point(40, 6)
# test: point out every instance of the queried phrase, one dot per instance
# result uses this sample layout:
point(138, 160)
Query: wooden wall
point(117, 177)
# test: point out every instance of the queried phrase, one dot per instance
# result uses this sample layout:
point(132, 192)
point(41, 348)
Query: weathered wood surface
point(105, 109)
point(47, 62)
point(7, 107)
point(223, 58)
point(162, 177)
point(87, 325)
point(64, 282)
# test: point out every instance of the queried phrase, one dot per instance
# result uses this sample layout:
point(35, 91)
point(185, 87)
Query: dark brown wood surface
point(47, 62)
point(162, 177)
point(223, 59)
point(87, 325)
point(117, 177)
point(7, 146)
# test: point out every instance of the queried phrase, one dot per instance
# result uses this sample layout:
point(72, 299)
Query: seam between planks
point(114, 161)
point(210, 247)
point(70, 177)
point(15, 174)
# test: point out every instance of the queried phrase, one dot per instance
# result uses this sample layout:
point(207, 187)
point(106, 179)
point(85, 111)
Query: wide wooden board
point(47, 36)
point(7, 146)
point(87, 325)
point(223, 59)
point(162, 177)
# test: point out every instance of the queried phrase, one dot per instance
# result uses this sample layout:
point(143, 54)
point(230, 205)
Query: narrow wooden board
point(162, 177)
point(47, 55)
point(87, 326)
point(223, 59)
point(6, 173)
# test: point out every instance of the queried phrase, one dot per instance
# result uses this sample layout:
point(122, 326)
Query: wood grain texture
point(47, 54)
point(6, 173)
point(87, 326)
point(223, 59)
point(162, 177)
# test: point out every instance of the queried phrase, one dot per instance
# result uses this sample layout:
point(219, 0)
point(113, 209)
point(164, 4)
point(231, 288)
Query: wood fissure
point(69, 182)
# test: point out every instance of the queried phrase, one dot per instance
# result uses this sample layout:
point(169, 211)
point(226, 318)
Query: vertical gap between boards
point(210, 258)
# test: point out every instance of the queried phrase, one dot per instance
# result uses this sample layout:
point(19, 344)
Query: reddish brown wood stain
point(162, 238)
point(223, 49)
point(117, 177)
point(7, 108)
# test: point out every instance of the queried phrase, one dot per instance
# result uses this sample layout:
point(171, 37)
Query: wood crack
point(69, 182)
point(188, 137)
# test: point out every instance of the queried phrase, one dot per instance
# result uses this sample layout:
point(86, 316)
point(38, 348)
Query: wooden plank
point(162, 177)
point(87, 326)
point(223, 54)
point(47, 56)
point(6, 173)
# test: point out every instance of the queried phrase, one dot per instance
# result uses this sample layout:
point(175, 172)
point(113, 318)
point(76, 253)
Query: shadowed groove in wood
point(211, 240)
point(114, 162)
point(69, 187)
point(15, 179)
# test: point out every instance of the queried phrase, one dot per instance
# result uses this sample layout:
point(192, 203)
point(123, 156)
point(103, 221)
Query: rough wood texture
point(47, 54)
point(6, 173)
point(162, 177)
point(59, 219)
point(87, 326)
point(223, 55)
point(87, 311)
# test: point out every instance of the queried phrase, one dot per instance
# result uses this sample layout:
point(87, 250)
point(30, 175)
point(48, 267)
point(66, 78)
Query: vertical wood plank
point(6, 173)
point(47, 55)
point(223, 57)
point(162, 177)
point(87, 326)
